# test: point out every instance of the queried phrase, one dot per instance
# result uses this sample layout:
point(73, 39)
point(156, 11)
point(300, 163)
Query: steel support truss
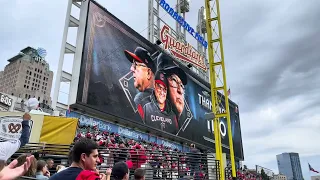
point(68, 48)
point(217, 69)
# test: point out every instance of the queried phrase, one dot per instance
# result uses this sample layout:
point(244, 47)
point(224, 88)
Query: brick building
point(27, 75)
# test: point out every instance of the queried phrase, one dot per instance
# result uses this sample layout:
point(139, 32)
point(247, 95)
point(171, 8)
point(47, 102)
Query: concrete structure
point(279, 177)
point(315, 177)
point(289, 165)
point(27, 75)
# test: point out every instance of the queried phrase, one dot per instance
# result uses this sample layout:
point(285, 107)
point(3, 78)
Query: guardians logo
point(185, 52)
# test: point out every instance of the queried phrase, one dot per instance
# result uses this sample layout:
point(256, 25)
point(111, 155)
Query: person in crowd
point(120, 171)
point(50, 164)
point(195, 161)
point(33, 167)
point(84, 155)
point(42, 170)
point(9, 147)
point(139, 174)
point(11, 172)
point(143, 69)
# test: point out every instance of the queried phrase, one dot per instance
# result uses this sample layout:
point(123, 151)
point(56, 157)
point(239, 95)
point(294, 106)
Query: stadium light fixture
point(209, 116)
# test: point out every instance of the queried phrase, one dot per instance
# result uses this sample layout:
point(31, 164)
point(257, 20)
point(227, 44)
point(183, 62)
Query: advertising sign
point(123, 76)
point(122, 131)
point(175, 15)
point(11, 127)
point(6, 100)
point(184, 52)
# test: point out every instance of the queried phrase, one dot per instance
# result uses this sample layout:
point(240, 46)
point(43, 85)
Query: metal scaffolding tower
point(217, 69)
point(68, 48)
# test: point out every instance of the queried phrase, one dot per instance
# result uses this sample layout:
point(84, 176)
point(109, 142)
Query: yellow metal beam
point(226, 98)
point(215, 89)
point(214, 96)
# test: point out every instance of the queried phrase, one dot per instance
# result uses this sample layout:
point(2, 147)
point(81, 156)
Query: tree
point(264, 176)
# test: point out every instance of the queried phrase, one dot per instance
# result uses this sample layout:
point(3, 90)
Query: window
point(44, 78)
point(29, 78)
point(35, 69)
point(27, 71)
point(25, 81)
point(36, 80)
point(27, 87)
point(29, 96)
point(12, 94)
point(32, 88)
point(26, 96)
point(24, 86)
point(38, 98)
point(30, 73)
point(32, 84)
point(44, 92)
point(26, 77)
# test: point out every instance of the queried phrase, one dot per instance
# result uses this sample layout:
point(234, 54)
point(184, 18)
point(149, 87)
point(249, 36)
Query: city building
point(289, 165)
point(315, 177)
point(27, 75)
point(279, 177)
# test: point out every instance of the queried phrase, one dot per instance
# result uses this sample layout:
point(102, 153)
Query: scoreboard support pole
point(216, 63)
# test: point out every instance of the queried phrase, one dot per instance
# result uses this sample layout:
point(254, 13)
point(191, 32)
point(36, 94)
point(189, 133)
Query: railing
point(158, 164)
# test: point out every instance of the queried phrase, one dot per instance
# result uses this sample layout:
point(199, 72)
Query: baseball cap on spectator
point(120, 170)
point(32, 103)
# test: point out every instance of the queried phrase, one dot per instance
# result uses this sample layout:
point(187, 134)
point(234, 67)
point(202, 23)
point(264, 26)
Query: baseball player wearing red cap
point(158, 112)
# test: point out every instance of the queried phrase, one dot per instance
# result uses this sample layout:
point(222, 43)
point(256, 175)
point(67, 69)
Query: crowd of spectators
point(95, 153)
point(165, 162)
point(244, 174)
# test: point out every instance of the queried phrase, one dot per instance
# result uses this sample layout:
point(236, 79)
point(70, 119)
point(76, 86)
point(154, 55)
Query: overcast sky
point(272, 60)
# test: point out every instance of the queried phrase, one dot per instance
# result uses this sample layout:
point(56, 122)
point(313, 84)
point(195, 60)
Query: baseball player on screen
point(158, 112)
point(177, 79)
point(143, 69)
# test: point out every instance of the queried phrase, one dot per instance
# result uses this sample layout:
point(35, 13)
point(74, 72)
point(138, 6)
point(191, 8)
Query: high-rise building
point(289, 165)
point(27, 75)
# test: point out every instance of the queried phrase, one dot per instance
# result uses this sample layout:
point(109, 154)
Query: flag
point(311, 169)
point(229, 92)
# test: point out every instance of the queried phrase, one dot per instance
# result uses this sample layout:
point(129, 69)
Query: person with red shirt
point(84, 155)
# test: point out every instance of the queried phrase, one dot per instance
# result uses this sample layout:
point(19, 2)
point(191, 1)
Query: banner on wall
point(119, 77)
point(11, 127)
point(102, 125)
point(58, 130)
